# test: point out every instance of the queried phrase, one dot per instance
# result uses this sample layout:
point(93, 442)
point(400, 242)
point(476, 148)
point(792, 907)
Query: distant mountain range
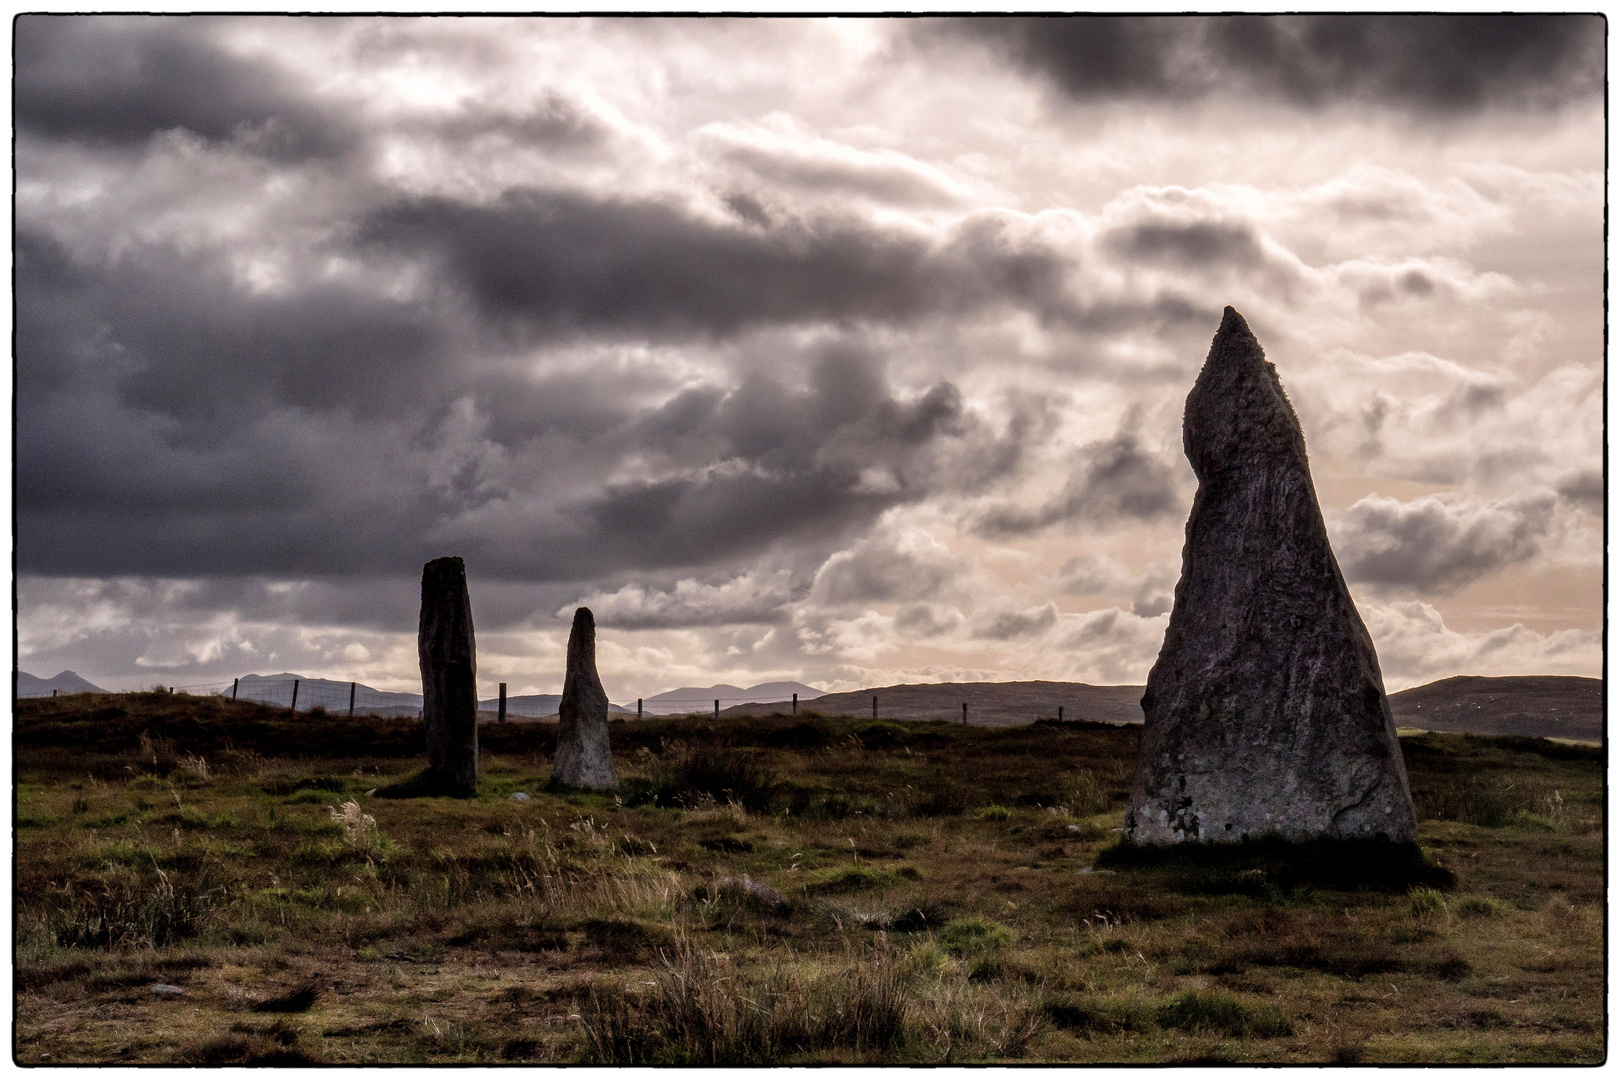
point(691, 699)
point(334, 697)
point(1548, 706)
point(66, 682)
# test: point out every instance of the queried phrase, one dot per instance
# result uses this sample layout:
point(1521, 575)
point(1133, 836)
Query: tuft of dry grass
point(702, 1009)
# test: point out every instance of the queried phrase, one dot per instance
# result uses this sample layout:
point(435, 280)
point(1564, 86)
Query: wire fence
point(875, 707)
point(334, 696)
point(353, 698)
point(682, 706)
point(983, 710)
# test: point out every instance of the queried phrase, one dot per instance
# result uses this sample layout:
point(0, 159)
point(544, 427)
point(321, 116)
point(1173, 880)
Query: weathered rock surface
point(1265, 713)
point(583, 759)
point(747, 890)
point(445, 649)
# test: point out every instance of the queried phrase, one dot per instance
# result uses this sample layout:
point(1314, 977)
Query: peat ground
point(208, 882)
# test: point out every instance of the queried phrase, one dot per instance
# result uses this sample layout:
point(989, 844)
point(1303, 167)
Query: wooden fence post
point(717, 708)
point(234, 684)
point(351, 699)
point(964, 712)
point(501, 716)
point(1060, 714)
point(294, 706)
point(638, 708)
point(795, 704)
point(874, 706)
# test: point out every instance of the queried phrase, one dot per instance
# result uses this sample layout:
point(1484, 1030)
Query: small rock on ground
point(748, 886)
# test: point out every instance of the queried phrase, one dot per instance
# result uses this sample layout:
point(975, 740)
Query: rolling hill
point(334, 697)
point(65, 682)
point(990, 704)
point(1547, 706)
point(700, 699)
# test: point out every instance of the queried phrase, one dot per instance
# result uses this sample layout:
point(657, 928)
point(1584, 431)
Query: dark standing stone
point(444, 646)
point(1265, 713)
point(583, 757)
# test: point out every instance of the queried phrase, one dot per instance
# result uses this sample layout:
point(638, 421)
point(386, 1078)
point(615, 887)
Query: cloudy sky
point(849, 351)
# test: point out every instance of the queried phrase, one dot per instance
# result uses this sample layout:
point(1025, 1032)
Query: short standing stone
point(1265, 713)
point(583, 757)
point(445, 648)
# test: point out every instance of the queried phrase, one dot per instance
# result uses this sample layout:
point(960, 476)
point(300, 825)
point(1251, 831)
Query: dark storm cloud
point(1425, 64)
point(1155, 593)
point(171, 424)
point(1437, 544)
point(173, 421)
point(1120, 481)
point(117, 80)
point(806, 466)
point(184, 339)
point(748, 208)
point(1006, 625)
point(153, 386)
point(1196, 244)
point(926, 620)
point(1584, 489)
point(554, 123)
point(555, 262)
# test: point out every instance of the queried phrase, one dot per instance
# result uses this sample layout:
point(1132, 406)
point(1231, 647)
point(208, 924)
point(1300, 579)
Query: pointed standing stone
point(1265, 713)
point(583, 757)
point(444, 646)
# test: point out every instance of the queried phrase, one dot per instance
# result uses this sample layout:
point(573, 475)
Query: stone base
point(429, 783)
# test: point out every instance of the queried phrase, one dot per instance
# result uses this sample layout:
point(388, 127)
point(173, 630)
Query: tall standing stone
point(1265, 713)
point(583, 757)
point(444, 646)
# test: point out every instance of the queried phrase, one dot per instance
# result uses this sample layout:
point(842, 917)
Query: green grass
point(974, 934)
point(916, 893)
point(857, 877)
point(1226, 1013)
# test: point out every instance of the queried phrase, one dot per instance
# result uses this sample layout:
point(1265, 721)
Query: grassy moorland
point(205, 882)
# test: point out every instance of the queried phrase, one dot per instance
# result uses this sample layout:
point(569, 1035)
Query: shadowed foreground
point(802, 889)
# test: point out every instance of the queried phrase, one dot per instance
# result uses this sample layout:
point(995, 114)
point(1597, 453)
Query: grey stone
point(746, 888)
point(448, 657)
point(519, 796)
point(583, 757)
point(1265, 712)
point(166, 990)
